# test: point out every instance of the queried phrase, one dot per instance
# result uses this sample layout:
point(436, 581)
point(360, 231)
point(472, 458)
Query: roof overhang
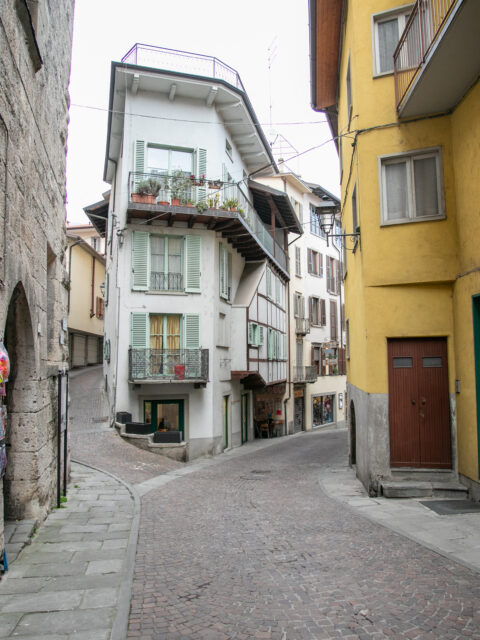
point(325, 38)
point(231, 103)
point(73, 239)
point(263, 195)
point(97, 213)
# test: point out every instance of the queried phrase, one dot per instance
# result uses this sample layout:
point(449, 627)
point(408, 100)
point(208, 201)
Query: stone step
point(416, 489)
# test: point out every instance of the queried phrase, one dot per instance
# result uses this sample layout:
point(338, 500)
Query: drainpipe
point(70, 271)
point(92, 307)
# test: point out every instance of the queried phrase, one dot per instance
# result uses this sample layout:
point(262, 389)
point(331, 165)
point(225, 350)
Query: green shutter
point(139, 330)
point(260, 335)
point(229, 276)
point(224, 278)
point(250, 333)
point(269, 283)
point(191, 325)
point(202, 170)
point(140, 260)
point(284, 346)
point(193, 260)
point(139, 160)
point(270, 345)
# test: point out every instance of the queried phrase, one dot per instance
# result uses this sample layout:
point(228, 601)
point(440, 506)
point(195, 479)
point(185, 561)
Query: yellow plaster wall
point(466, 149)
point(81, 292)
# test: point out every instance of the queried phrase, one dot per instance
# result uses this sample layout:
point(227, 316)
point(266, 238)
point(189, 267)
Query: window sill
point(162, 293)
point(382, 74)
point(390, 223)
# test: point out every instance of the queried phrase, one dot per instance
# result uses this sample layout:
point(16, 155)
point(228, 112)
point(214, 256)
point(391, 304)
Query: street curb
point(120, 623)
point(441, 552)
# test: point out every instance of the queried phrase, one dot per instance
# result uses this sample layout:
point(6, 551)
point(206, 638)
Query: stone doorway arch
point(353, 435)
point(21, 481)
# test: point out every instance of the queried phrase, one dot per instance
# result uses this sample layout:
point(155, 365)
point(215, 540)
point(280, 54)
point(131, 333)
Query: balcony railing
point(160, 281)
point(183, 62)
point(302, 326)
point(183, 189)
point(168, 365)
point(421, 31)
point(305, 374)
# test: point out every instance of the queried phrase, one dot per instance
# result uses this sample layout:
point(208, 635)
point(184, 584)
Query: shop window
point(323, 410)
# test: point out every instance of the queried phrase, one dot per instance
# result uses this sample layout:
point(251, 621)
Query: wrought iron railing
point(302, 326)
point(160, 281)
point(421, 31)
point(168, 364)
point(305, 374)
point(183, 189)
point(183, 62)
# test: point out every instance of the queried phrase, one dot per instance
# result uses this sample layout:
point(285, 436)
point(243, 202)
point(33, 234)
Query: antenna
point(271, 55)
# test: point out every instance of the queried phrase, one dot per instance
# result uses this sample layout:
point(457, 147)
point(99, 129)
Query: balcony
point(182, 62)
point(305, 374)
point(168, 365)
point(302, 326)
point(222, 206)
point(437, 60)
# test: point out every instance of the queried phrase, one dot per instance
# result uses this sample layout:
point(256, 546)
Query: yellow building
point(86, 272)
point(399, 85)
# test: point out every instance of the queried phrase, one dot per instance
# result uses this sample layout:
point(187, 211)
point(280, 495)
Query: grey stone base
point(175, 451)
point(473, 487)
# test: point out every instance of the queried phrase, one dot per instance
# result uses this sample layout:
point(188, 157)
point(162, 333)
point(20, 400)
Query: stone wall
point(35, 40)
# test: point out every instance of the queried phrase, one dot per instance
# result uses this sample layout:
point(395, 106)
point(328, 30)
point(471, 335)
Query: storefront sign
point(298, 393)
point(277, 389)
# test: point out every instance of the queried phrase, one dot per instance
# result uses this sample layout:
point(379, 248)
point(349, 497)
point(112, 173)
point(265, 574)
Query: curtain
point(173, 332)
point(396, 190)
point(156, 331)
point(387, 42)
point(426, 196)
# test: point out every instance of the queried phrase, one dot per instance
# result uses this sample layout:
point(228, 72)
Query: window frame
point(166, 255)
point(409, 156)
point(384, 16)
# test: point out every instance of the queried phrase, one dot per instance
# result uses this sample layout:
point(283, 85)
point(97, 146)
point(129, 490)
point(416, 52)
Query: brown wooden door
point(419, 410)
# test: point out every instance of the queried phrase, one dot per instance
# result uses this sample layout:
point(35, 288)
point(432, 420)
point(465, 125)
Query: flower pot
point(215, 184)
point(163, 202)
point(144, 199)
point(176, 202)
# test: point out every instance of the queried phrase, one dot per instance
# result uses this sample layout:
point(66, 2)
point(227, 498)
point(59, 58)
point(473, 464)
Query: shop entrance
point(299, 411)
point(165, 415)
point(244, 418)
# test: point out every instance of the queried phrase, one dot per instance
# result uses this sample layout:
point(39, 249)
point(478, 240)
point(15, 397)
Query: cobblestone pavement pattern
point(67, 583)
point(92, 441)
point(252, 548)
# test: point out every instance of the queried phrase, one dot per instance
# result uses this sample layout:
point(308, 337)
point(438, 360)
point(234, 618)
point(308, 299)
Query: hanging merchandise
point(3, 431)
point(4, 364)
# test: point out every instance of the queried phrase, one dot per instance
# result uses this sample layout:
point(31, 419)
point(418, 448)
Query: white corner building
point(196, 291)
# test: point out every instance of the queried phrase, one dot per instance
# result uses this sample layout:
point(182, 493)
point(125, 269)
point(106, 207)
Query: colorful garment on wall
point(3, 432)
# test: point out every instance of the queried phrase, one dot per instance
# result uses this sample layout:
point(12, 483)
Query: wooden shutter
point(333, 320)
point(250, 333)
point(341, 361)
point(193, 259)
point(260, 335)
point(329, 273)
point(310, 309)
point(320, 265)
point(202, 171)
point(140, 260)
point(337, 276)
point(323, 369)
point(224, 278)
point(229, 276)
point(139, 160)
point(298, 261)
point(323, 313)
point(139, 330)
point(191, 324)
point(309, 261)
point(270, 343)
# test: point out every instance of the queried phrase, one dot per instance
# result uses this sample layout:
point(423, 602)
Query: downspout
point(289, 368)
point(92, 307)
point(70, 271)
point(5, 211)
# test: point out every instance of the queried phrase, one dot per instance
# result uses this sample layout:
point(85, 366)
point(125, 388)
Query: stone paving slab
point(74, 580)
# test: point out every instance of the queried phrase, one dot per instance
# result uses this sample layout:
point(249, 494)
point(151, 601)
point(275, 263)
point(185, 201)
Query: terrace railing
point(183, 62)
point(176, 188)
point(305, 374)
point(168, 365)
point(420, 33)
point(302, 326)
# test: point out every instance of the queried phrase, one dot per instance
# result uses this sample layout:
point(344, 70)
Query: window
point(255, 334)
point(317, 311)
point(323, 410)
point(169, 159)
point(99, 307)
point(315, 263)
point(298, 261)
point(411, 187)
point(166, 263)
point(332, 266)
point(315, 222)
point(298, 305)
point(333, 320)
point(228, 149)
point(225, 273)
point(387, 30)
point(268, 276)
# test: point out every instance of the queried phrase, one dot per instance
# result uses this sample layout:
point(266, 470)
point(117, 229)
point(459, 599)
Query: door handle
point(413, 401)
point(423, 401)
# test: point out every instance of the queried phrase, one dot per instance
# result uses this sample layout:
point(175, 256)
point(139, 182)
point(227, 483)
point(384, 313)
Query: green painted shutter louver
point(250, 333)
point(202, 171)
point(229, 276)
point(270, 345)
point(139, 160)
point(139, 330)
point(193, 261)
point(140, 260)
point(260, 335)
point(191, 326)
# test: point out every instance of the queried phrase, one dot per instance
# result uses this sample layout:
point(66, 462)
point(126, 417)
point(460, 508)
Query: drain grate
point(452, 507)
point(261, 472)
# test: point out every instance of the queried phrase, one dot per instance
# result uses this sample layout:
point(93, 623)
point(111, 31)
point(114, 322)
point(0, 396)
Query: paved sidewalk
point(454, 536)
point(74, 580)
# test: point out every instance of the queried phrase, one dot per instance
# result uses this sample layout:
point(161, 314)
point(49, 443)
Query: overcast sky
point(240, 34)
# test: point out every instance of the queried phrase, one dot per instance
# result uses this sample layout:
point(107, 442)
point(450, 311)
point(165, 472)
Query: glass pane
point(402, 363)
point(174, 255)
point(157, 247)
point(323, 409)
point(181, 160)
point(148, 412)
point(173, 332)
point(167, 417)
point(396, 190)
point(156, 331)
point(432, 362)
point(157, 160)
point(426, 195)
point(387, 41)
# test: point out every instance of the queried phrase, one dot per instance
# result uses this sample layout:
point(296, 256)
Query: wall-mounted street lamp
point(327, 214)
point(102, 289)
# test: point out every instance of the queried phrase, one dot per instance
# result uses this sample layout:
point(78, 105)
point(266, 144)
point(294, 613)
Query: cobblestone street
point(249, 546)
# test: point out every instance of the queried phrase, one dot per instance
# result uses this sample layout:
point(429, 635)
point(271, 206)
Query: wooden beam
point(191, 221)
point(171, 219)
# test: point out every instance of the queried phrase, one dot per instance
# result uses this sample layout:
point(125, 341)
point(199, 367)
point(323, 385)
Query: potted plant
point(214, 184)
point(230, 204)
point(146, 191)
point(202, 206)
point(179, 185)
point(165, 187)
point(197, 182)
point(213, 201)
